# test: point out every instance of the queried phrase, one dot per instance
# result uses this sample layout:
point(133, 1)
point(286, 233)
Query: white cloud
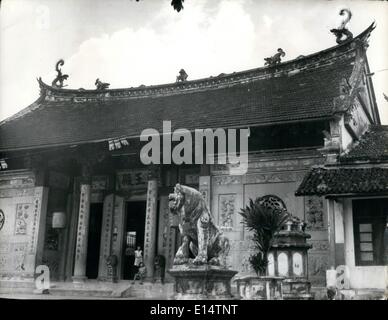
point(267, 21)
point(201, 44)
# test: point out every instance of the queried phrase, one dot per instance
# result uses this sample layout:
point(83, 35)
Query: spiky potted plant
point(264, 222)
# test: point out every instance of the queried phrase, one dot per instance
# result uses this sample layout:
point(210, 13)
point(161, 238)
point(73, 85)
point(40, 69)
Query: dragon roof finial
point(342, 30)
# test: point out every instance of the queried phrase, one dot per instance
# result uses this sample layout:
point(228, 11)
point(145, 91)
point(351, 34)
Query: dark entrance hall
point(94, 239)
point(134, 235)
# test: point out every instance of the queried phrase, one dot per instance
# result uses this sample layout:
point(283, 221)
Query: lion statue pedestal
point(202, 282)
point(199, 266)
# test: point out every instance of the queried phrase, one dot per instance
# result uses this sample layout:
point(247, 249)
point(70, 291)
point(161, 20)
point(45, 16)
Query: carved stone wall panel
point(15, 237)
point(23, 207)
point(227, 211)
point(23, 214)
point(318, 263)
point(12, 259)
point(315, 215)
point(205, 189)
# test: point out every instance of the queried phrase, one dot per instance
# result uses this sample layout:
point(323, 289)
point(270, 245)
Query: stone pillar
point(82, 233)
point(331, 232)
point(350, 259)
point(72, 226)
point(339, 233)
point(150, 227)
point(118, 233)
point(164, 225)
point(36, 244)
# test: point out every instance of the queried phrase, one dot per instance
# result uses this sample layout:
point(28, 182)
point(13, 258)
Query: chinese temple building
point(75, 191)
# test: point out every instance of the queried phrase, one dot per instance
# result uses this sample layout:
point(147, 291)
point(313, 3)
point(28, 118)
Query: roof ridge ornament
point(342, 30)
point(58, 81)
point(275, 59)
point(101, 85)
point(182, 77)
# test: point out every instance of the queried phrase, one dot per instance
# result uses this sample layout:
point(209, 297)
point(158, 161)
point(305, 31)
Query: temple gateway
point(74, 193)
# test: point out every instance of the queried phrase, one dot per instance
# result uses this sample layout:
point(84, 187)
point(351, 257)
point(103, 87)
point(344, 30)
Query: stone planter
point(252, 287)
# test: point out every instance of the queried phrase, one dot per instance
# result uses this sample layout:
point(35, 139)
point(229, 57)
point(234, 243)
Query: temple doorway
point(94, 238)
point(135, 215)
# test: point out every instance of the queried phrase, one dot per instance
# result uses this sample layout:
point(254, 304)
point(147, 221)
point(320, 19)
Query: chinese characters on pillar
point(150, 226)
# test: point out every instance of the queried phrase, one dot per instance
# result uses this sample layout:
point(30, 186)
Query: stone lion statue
point(201, 239)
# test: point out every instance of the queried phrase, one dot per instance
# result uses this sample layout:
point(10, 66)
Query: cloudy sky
point(129, 43)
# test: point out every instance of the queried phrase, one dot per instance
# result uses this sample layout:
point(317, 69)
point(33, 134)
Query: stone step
point(122, 289)
point(80, 292)
point(149, 291)
point(17, 287)
point(364, 294)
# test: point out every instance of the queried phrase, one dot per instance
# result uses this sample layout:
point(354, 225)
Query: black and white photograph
point(170, 150)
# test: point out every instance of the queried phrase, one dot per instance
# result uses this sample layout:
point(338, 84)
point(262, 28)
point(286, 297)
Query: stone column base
point(202, 282)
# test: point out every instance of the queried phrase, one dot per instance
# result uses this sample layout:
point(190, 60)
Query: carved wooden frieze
point(258, 164)
point(17, 181)
point(17, 193)
point(226, 180)
point(99, 183)
point(274, 177)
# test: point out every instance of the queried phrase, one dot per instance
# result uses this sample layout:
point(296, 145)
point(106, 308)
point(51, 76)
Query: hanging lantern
point(59, 220)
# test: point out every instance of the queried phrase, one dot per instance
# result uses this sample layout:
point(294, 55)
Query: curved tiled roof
point(331, 181)
point(299, 90)
point(372, 146)
point(356, 172)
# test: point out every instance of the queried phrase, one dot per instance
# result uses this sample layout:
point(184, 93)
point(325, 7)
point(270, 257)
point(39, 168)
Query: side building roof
point(364, 169)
